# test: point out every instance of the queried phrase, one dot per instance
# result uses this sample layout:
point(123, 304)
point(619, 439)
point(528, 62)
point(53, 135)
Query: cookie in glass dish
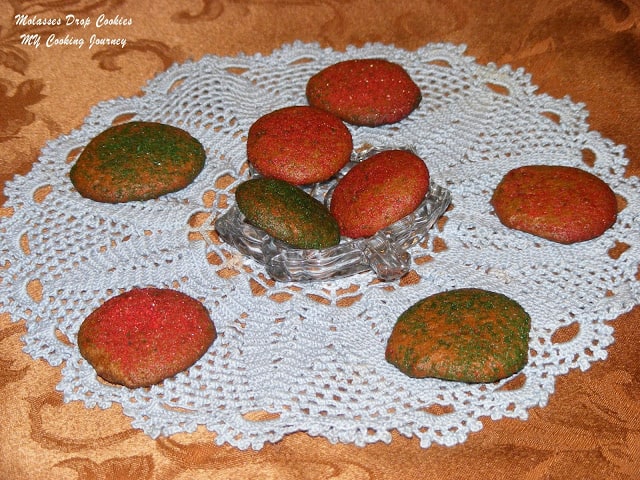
point(137, 161)
point(287, 213)
point(299, 144)
point(369, 92)
point(559, 203)
point(468, 335)
point(379, 191)
point(143, 336)
point(385, 252)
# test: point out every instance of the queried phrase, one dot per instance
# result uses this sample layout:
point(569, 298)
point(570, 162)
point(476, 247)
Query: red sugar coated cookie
point(369, 92)
point(558, 203)
point(145, 335)
point(378, 192)
point(299, 145)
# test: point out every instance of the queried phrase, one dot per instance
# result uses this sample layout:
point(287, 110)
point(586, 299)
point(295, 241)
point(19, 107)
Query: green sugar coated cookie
point(137, 161)
point(468, 335)
point(287, 213)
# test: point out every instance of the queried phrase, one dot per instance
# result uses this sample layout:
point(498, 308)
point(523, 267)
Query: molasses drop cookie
point(368, 92)
point(468, 335)
point(379, 191)
point(137, 161)
point(145, 335)
point(299, 144)
point(287, 213)
point(558, 203)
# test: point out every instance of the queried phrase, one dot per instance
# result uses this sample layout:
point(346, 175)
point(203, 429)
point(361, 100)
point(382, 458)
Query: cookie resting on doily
point(312, 354)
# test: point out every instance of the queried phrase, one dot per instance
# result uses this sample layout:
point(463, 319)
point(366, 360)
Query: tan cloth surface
point(589, 50)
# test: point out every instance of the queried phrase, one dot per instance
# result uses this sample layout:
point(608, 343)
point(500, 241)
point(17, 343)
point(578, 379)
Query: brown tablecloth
point(589, 50)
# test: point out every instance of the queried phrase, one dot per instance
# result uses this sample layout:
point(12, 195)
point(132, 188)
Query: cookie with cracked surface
point(559, 203)
point(368, 92)
point(468, 335)
point(145, 335)
point(137, 161)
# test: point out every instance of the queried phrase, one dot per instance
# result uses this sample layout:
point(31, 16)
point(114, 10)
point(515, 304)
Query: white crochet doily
point(310, 356)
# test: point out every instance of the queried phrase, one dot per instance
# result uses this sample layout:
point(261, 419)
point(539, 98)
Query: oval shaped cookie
point(299, 145)
point(137, 161)
point(467, 335)
point(287, 213)
point(367, 92)
point(145, 335)
point(379, 191)
point(562, 204)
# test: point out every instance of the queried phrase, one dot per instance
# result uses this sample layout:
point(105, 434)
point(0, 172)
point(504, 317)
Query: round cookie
point(137, 161)
point(145, 335)
point(562, 204)
point(369, 92)
point(299, 144)
point(287, 213)
point(468, 335)
point(379, 191)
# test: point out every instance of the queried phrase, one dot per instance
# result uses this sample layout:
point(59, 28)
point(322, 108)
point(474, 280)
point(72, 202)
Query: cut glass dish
point(385, 253)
